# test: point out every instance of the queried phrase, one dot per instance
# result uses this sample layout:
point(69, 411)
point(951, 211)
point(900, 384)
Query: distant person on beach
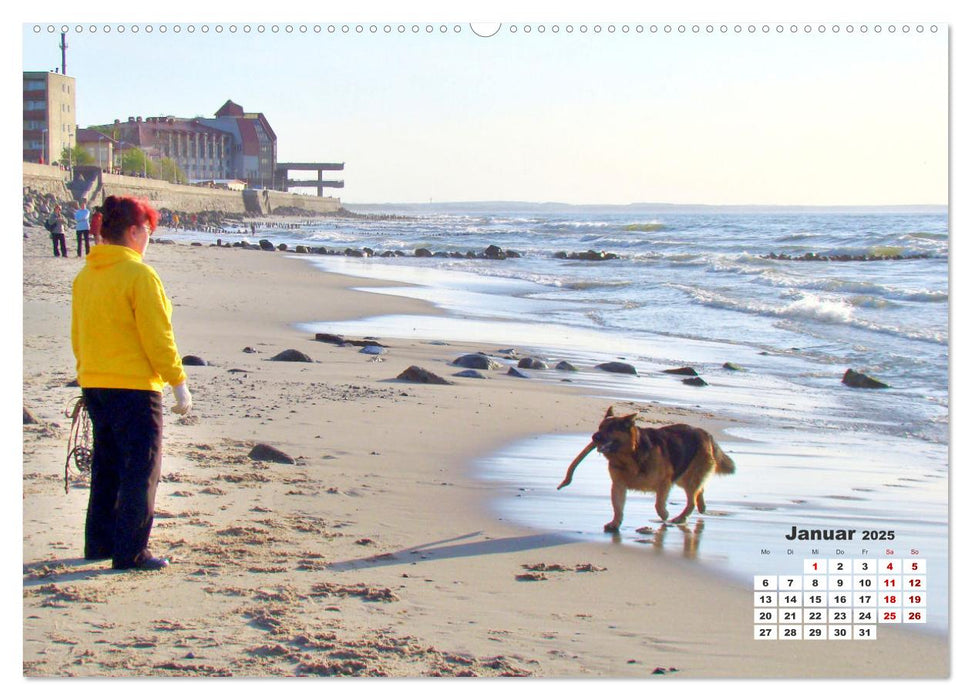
point(82, 226)
point(55, 224)
point(122, 337)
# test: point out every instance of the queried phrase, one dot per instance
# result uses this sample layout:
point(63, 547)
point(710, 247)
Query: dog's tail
point(723, 463)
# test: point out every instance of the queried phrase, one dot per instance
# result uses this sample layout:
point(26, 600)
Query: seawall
point(164, 195)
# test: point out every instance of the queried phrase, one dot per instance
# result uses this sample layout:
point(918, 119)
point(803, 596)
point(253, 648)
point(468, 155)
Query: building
point(50, 119)
point(103, 149)
point(234, 145)
point(255, 158)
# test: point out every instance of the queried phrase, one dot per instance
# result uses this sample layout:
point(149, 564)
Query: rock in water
point(617, 367)
point(858, 380)
point(694, 381)
point(291, 356)
point(266, 453)
point(477, 361)
point(565, 366)
point(686, 371)
point(422, 376)
point(532, 363)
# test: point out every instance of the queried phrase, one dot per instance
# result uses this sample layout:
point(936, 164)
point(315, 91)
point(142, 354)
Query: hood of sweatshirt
point(106, 255)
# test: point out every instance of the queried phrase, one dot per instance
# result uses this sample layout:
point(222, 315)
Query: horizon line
point(646, 204)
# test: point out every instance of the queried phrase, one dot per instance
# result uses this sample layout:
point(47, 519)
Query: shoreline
point(284, 564)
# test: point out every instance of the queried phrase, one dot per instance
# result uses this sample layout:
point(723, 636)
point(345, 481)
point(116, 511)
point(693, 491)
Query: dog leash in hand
point(78, 442)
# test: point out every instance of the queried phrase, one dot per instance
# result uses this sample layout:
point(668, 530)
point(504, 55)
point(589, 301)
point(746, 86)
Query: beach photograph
point(540, 349)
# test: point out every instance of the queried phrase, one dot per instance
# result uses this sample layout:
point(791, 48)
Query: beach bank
point(375, 552)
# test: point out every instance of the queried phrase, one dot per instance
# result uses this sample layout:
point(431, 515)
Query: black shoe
point(147, 564)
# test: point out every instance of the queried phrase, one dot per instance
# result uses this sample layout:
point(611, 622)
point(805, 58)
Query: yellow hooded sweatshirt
point(121, 324)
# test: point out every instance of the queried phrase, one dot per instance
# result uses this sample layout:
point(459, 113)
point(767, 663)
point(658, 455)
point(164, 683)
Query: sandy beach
point(376, 552)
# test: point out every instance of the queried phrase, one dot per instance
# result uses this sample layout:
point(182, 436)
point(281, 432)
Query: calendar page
point(556, 343)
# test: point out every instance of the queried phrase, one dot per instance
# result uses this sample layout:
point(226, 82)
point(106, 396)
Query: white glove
point(183, 399)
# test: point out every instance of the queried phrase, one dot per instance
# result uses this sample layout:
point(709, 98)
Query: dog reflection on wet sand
point(654, 459)
point(691, 537)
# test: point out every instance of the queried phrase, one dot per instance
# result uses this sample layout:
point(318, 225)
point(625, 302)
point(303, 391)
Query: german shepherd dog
point(654, 459)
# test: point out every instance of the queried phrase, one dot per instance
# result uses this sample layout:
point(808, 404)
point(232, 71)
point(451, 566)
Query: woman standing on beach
point(55, 224)
point(121, 333)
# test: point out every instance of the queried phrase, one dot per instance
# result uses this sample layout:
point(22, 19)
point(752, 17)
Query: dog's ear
point(609, 413)
point(630, 420)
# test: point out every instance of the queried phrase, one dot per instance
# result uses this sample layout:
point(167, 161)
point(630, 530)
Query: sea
point(790, 297)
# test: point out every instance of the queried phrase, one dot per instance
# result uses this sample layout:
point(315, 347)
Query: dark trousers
point(83, 237)
point(60, 245)
point(125, 470)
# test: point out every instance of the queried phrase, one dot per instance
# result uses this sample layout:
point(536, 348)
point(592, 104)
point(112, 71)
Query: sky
point(583, 117)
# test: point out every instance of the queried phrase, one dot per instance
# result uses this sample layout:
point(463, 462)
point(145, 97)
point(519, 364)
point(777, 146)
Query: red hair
point(118, 214)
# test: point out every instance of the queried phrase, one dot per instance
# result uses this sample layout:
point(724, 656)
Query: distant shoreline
point(652, 207)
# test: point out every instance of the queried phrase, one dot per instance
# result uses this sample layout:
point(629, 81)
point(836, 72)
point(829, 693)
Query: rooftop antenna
point(63, 53)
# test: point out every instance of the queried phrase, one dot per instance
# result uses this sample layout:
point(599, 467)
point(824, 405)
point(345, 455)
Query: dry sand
point(376, 553)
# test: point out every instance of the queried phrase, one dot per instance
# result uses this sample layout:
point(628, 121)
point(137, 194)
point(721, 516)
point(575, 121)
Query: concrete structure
point(50, 120)
point(95, 186)
point(283, 175)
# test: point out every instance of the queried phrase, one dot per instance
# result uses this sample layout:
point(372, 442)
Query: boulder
point(422, 376)
point(694, 381)
point(194, 361)
point(494, 252)
point(477, 361)
point(514, 372)
point(686, 371)
point(266, 245)
point(470, 373)
point(532, 363)
point(291, 356)
point(329, 338)
point(29, 417)
point(266, 453)
point(858, 380)
point(565, 366)
point(731, 366)
point(423, 253)
point(617, 367)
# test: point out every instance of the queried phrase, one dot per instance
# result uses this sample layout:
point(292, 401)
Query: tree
point(75, 156)
point(169, 170)
point(134, 160)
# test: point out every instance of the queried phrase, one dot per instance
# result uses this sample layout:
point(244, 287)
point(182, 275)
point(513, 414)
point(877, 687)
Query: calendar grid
point(840, 599)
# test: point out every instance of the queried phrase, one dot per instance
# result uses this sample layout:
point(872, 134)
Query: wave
point(653, 226)
point(809, 307)
point(778, 278)
point(818, 309)
point(927, 236)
